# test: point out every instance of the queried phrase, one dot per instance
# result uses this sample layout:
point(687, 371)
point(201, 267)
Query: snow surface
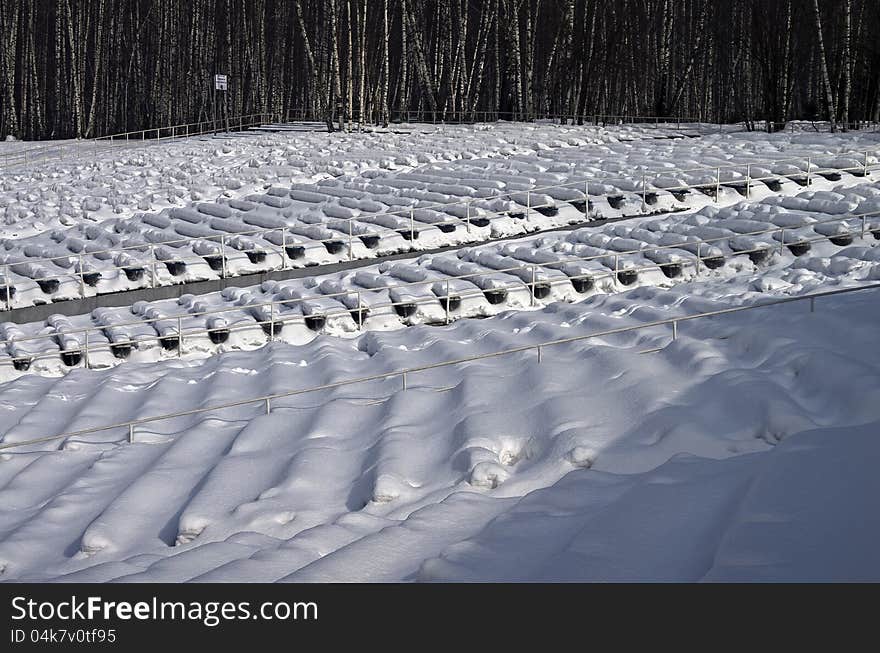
point(822, 248)
point(267, 202)
point(743, 449)
point(683, 464)
point(95, 182)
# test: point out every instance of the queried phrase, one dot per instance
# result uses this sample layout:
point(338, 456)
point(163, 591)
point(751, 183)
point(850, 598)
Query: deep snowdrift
point(804, 511)
point(372, 482)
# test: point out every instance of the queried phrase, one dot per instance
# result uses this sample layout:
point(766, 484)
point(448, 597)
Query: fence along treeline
point(91, 67)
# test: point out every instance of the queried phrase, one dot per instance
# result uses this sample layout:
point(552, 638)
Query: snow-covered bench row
point(810, 233)
point(373, 214)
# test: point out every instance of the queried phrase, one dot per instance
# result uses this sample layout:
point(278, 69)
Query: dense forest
point(93, 67)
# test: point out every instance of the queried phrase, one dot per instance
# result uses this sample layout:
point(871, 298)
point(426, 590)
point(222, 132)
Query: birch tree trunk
point(404, 58)
point(76, 67)
point(516, 75)
point(334, 53)
point(823, 63)
point(385, 63)
point(422, 66)
point(313, 68)
point(846, 63)
point(98, 62)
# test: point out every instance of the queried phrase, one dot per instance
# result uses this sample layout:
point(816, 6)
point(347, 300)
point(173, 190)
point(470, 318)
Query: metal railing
point(270, 318)
point(467, 116)
point(139, 137)
point(810, 126)
point(647, 121)
point(92, 146)
point(475, 217)
point(265, 401)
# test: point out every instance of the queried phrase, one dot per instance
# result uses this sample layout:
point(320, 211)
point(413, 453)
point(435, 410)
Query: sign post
point(340, 111)
point(220, 84)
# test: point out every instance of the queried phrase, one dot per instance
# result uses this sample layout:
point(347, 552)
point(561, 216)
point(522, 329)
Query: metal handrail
point(238, 122)
point(362, 308)
point(462, 115)
point(402, 373)
point(647, 120)
point(38, 154)
point(153, 262)
point(219, 125)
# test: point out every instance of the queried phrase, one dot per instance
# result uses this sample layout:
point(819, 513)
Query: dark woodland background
point(87, 68)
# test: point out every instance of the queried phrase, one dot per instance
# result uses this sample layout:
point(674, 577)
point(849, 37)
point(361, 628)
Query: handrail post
point(863, 227)
point(360, 312)
point(717, 184)
point(675, 329)
point(82, 282)
point(153, 273)
point(748, 181)
point(350, 255)
point(467, 216)
point(404, 380)
point(86, 358)
point(699, 257)
point(528, 204)
point(8, 289)
point(223, 256)
point(412, 225)
point(587, 198)
point(130, 433)
point(644, 192)
point(538, 348)
point(447, 300)
point(809, 171)
point(179, 337)
point(283, 249)
point(533, 286)
point(272, 322)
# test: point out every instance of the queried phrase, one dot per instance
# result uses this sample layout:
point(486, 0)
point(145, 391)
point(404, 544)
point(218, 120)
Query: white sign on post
point(220, 82)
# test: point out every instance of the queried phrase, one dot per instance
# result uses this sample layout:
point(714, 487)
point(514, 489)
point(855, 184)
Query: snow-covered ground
point(731, 453)
point(788, 245)
point(287, 208)
point(93, 182)
point(742, 449)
